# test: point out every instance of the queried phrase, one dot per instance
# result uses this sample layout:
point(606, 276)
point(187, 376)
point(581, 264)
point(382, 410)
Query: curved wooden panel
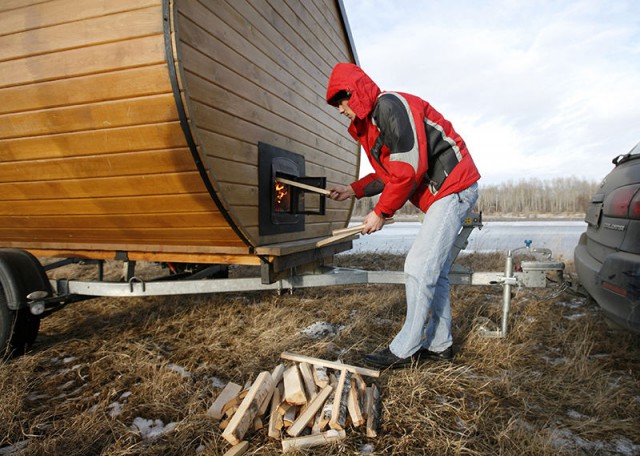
point(256, 72)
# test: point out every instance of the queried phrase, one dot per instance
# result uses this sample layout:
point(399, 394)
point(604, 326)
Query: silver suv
point(607, 257)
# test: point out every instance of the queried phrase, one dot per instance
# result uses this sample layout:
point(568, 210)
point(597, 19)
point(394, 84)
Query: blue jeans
point(428, 320)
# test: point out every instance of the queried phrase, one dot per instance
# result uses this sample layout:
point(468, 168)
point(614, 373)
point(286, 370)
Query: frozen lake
point(559, 236)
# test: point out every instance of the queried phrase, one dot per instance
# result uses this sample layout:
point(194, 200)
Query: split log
point(330, 364)
point(238, 449)
point(309, 412)
point(307, 379)
point(353, 405)
point(275, 418)
point(373, 411)
point(309, 441)
point(290, 416)
point(276, 377)
point(320, 376)
point(339, 411)
point(248, 409)
point(293, 389)
point(230, 391)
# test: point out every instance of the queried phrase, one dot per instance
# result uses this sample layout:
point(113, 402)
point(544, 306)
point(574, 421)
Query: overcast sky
point(537, 88)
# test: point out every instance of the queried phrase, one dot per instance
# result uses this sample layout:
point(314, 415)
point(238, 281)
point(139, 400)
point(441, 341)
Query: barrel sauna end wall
point(132, 128)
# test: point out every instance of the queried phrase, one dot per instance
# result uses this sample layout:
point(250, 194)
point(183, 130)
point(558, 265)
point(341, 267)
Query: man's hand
point(372, 223)
point(341, 192)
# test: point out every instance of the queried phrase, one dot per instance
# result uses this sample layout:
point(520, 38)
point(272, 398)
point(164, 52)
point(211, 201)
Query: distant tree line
point(562, 195)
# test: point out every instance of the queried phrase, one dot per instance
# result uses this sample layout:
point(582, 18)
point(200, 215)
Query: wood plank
point(230, 391)
point(86, 32)
point(192, 236)
point(145, 184)
point(309, 412)
point(330, 364)
point(121, 222)
point(233, 255)
point(248, 409)
point(101, 142)
point(109, 206)
point(320, 376)
point(96, 116)
point(35, 15)
point(114, 85)
point(130, 164)
point(76, 62)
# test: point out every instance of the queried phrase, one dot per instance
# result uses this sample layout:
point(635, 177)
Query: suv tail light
point(623, 202)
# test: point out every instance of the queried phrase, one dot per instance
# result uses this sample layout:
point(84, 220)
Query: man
point(416, 156)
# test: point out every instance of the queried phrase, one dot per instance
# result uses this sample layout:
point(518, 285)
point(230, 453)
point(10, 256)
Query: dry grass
point(561, 383)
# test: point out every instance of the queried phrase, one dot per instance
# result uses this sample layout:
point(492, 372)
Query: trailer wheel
point(18, 329)
point(20, 274)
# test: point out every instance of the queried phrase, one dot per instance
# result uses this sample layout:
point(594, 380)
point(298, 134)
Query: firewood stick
point(248, 409)
point(357, 228)
point(353, 405)
point(293, 389)
point(229, 392)
point(339, 411)
point(276, 377)
point(239, 449)
point(322, 191)
point(320, 376)
point(332, 239)
point(273, 430)
point(309, 441)
point(330, 364)
point(307, 379)
point(373, 411)
point(309, 412)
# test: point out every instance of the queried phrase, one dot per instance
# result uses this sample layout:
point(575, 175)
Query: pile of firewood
point(306, 403)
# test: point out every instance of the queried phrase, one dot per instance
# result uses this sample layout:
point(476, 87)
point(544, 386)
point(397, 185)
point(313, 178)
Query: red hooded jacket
point(415, 153)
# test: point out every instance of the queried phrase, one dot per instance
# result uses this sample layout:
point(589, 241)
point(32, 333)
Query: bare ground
point(562, 382)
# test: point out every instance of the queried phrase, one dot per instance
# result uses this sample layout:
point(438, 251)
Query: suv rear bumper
point(614, 284)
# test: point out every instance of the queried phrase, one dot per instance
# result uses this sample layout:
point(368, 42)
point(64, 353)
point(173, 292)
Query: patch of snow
point(567, 440)
point(200, 449)
point(367, 449)
point(218, 383)
point(321, 329)
point(179, 369)
point(576, 415)
point(151, 429)
point(68, 359)
point(125, 395)
point(574, 316)
point(116, 409)
point(554, 361)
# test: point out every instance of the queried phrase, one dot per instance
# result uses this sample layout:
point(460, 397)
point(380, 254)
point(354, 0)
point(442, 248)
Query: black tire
point(20, 274)
point(18, 329)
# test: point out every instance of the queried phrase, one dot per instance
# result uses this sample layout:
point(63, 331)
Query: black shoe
point(384, 359)
point(427, 355)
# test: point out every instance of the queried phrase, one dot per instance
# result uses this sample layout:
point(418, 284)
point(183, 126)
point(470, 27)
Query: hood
point(351, 78)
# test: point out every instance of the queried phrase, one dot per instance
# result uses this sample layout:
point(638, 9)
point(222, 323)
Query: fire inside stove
point(281, 198)
point(283, 205)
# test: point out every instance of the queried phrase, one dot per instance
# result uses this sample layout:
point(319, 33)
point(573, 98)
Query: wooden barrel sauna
point(131, 128)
